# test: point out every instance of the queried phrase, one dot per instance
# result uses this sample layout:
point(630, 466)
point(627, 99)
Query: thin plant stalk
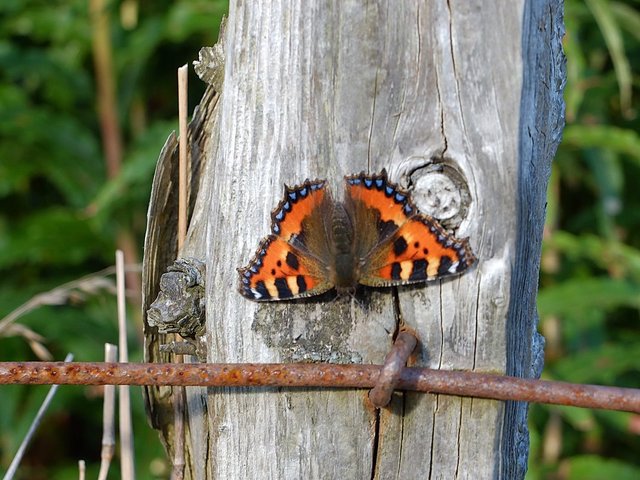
point(126, 425)
point(177, 472)
point(32, 429)
point(108, 417)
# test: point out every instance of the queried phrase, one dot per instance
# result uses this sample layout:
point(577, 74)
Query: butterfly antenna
point(336, 296)
point(355, 299)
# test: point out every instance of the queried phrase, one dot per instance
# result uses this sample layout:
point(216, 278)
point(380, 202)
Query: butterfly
point(374, 237)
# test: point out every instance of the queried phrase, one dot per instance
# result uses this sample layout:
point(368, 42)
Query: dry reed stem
point(127, 454)
point(32, 429)
point(108, 417)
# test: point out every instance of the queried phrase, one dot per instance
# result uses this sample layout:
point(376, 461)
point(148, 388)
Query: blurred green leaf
point(132, 185)
point(613, 38)
point(608, 178)
point(56, 236)
point(534, 469)
point(623, 422)
point(577, 296)
point(576, 69)
point(592, 467)
point(615, 139)
point(602, 365)
point(581, 419)
point(627, 17)
point(608, 254)
point(184, 18)
point(49, 146)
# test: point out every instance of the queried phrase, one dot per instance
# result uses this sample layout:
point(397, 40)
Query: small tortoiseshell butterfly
point(375, 237)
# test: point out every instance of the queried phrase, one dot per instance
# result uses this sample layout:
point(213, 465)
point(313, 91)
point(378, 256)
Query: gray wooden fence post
point(462, 102)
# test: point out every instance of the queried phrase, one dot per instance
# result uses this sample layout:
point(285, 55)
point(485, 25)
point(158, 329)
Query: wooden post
point(462, 102)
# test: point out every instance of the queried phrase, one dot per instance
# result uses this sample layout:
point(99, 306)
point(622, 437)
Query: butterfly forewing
point(391, 204)
point(379, 208)
point(289, 262)
point(299, 204)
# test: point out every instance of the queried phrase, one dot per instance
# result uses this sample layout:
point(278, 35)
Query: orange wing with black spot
point(396, 244)
point(377, 231)
point(291, 262)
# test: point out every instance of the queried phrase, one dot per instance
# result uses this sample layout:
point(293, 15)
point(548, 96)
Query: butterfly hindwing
point(280, 272)
point(396, 244)
point(288, 262)
point(420, 250)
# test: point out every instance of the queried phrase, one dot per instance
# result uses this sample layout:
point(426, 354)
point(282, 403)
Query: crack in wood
point(376, 441)
point(434, 416)
point(458, 436)
point(402, 419)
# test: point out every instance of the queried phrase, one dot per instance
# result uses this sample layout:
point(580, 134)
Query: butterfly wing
point(420, 250)
point(291, 262)
point(280, 272)
point(396, 244)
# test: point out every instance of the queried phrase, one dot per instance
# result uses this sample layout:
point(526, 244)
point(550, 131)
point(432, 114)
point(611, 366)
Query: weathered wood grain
point(541, 121)
point(160, 250)
point(460, 101)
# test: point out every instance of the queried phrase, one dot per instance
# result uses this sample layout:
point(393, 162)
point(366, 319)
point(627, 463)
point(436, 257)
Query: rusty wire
point(468, 384)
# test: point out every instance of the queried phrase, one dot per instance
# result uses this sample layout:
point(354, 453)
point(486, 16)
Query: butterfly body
point(374, 237)
point(341, 268)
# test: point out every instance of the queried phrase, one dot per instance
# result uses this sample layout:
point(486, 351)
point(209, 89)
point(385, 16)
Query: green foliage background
point(59, 217)
point(590, 278)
